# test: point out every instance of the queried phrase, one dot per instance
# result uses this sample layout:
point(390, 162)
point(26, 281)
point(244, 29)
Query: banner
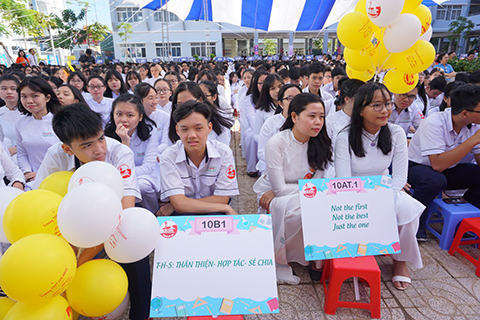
point(214, 265)
point(348, 217)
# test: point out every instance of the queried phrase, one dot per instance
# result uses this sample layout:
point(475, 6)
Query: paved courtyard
point(445, 288)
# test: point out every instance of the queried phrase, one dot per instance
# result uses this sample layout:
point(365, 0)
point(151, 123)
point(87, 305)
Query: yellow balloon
point(99, 288)
point(363, 59)
point(54, 309)
point(5, 305)
point(355, 30)
point(399, 82)
point(30, 213)
point(410, 5)
point(361, 6)
point(57, 182)
point(425, 16)
point(37, 268)
point(363, 75)
point(418, 58)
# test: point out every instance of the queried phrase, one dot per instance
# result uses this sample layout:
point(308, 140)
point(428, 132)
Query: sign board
point(309, 57)
point(250, 58)
point(348, 217)
point(220, 59)
point(70, 58)
point(285, 58)
point(299, 57)
point(214, 265)
point(52, 60)
point(191, 59)
point(141, 60)
point(275, 58)
point(176, 59)
point(115, 60)
point(74, 62)
point(99, 61)
point(156, 60)
point(238, 58)
point(269, 58)
point(318, 58)
point(205, 59)
point(183, 59)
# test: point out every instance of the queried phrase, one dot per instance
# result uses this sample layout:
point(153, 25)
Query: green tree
point(124, 31)
point(460, 29)
point(270, 46)
point(67, 33)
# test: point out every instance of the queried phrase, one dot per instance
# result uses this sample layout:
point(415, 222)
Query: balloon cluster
point(70, 211)
point(391, 36)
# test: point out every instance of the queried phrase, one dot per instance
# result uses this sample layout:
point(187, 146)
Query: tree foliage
point(270, 47)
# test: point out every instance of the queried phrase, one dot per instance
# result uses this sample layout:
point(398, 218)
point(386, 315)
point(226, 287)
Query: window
point(449, 12)
point(129, 14)
point(474, 7)
point(135, 50)
point(198, 48)
point(175, 49)
point(167, 16)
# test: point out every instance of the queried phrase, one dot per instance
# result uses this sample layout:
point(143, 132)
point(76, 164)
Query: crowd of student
point(166, 127)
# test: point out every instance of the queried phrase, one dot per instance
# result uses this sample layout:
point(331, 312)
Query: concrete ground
point(445, 288)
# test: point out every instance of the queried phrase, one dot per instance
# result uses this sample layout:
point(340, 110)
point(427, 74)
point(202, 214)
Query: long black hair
point(448, 92)
point(253, 89)
point(423, 96)
point(363, 98)
point(219, 122)
point(76, 93)
point(144, 127)
point(319, 147)
point(265, 101)
point(80, 76)
point(212, 89)
point(38, 84)
point(348, 88)
point(115, 74)
point(281, 94)
point(132, 74)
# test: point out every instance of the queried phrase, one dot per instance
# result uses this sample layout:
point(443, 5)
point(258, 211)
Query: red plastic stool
point(236, 317)
point(336, 271)
point(467, 225)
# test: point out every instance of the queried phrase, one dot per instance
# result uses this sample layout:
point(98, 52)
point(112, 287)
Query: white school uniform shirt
point(260, 117)
point(115, 96)
point(162, 120)
point(436, 102)
point(335, 123)
point(34, 137)
point(8, 118)
point(9, 169)
point(249, 111)
point(145, 158)
point(118, 155)
point(347, 164)
point(409, 117)
point(224, 137)
point(436, 136)
point(329, 89)
point(167, 108)
point(86, 95)
point(2, 136)
point(271, 127)
point(225, 108)
point(418, 104)
point(216, 174)
point(152, 80)
point(324, 94)
point(104, 108)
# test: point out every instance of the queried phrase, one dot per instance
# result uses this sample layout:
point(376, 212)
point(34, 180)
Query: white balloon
point(135, 237)
point(88, 214)
point(117, 312)
point(98, 171)
point(383, 12)
point(427, 35)
point(7, 194)
point(402, 33)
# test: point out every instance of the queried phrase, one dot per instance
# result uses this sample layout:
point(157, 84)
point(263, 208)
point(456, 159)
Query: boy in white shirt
point(442, 150)
point(198, 175)
point(82, 140)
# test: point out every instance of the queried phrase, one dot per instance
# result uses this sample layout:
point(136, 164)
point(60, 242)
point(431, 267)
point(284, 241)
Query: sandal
point(401, 279)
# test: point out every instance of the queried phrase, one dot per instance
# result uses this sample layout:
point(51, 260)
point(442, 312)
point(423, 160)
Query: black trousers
point(139, 287)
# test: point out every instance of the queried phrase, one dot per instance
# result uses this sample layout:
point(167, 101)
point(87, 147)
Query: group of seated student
point(174, 135)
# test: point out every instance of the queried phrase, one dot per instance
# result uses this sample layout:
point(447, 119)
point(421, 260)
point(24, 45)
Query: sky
point(101, 14)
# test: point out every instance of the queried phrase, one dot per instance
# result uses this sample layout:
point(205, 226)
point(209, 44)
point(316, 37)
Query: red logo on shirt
point(420, 114)
point(125, 171)
point(230, 172)
point(309, 190)
point(168, 229)
point(373, 9)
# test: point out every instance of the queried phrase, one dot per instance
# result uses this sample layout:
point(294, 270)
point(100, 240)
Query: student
point(273, 124)
point(247, 121)
point(77, 79)
point(34, 132)
point(115, 85)
point(144, 73)
point(130, 125)
point(68, 94)
point(174, 79)
point(209, 89)
point(434, 92)
point(22, 58)
point(314, 77)
point(164, 95)
point(54, 82)
point(337, 74)
point(235, 85)
point(9, 114)
point(403, 114)
point(301, 150)
point(132, 79)
point(442, 151)
point(98, 102)
point(198, 174)
point(82, 140)
point(446, 103)
point(187, 91)
point(337, 121)
point(10, 171)
point(267, 102)
point(155, 72)
point(148, 96)
point(119, 68)
point(367, 148)
point(63, 74)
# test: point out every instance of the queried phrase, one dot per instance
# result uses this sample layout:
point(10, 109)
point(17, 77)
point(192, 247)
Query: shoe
point(401, 279)
point(252, 174)
point(315, 275)
point(422, 234)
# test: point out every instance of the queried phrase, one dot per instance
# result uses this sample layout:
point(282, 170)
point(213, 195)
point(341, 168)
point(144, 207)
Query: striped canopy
point(268, 15)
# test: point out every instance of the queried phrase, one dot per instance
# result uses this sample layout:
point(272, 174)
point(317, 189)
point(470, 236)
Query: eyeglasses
point(95, 87)
point(411, 97)
point(475, 111)
point(379, 106)
point(171, 80)
point(163, 90)
point(288, 98)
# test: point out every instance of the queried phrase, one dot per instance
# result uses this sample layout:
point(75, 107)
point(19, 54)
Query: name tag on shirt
point(47, 134)
point(140, 154)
